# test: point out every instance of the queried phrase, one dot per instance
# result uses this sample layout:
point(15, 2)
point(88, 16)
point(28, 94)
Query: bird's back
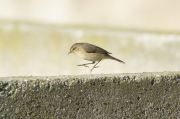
point(89, 48)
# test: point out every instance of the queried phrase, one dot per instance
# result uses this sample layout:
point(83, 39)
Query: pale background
point(144, 14)
point(36, 35)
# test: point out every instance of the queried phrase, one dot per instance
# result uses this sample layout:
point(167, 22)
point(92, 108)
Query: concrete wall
point(138, 95)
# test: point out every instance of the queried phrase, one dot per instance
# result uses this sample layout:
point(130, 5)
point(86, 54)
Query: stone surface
point(135, 95)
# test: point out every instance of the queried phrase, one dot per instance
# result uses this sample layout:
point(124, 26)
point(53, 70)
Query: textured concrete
point(139, 95)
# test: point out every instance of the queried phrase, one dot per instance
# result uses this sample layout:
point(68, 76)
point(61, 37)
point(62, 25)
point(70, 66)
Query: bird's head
point(73, 49)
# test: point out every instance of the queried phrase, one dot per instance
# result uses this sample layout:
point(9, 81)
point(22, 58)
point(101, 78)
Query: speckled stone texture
point(135, 95)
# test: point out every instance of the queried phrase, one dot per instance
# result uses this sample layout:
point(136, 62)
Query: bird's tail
point(110, 57)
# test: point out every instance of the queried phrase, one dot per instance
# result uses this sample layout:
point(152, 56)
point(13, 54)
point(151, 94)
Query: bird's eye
point(73, 48)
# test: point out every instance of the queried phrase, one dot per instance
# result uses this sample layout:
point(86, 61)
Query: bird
point(92, 53)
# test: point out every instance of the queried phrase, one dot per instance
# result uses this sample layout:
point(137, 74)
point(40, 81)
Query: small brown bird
point(92, 53)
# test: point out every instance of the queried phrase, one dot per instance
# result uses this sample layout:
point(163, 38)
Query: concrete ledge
point(140, 95)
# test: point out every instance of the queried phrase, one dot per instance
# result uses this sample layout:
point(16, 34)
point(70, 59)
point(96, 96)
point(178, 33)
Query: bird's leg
point(95, 66)
point(86, 64)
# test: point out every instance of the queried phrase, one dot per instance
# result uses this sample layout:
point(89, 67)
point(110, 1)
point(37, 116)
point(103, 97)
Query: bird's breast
point(90, 56)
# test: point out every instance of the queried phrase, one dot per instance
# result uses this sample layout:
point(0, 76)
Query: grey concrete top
point(150, 95)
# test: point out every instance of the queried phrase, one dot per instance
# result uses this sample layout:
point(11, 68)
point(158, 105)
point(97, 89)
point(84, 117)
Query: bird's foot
point(96, 67)
point(93, 68)
point(83, 65)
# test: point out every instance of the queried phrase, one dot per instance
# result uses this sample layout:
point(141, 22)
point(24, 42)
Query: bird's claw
point(83, 65)
point(86, 66)
point(93, 68)
point(96, 66)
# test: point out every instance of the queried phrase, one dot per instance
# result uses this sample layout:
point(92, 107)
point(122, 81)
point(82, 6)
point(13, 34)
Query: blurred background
point(36, 35)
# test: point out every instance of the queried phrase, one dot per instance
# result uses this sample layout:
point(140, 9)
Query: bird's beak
point(69, 52)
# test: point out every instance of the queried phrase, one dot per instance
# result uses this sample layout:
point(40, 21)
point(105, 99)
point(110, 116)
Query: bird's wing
point(89, 48)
